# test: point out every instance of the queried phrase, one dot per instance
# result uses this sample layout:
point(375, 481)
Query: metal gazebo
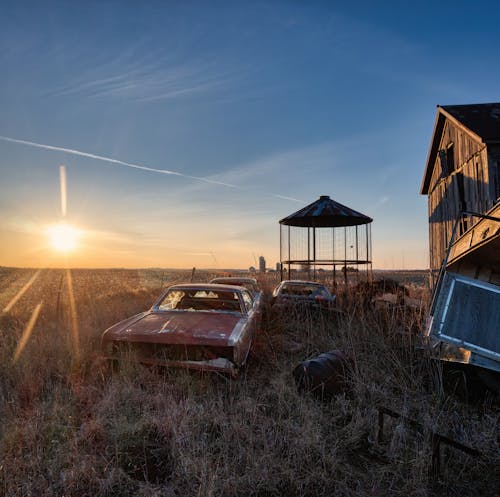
point(324, 236)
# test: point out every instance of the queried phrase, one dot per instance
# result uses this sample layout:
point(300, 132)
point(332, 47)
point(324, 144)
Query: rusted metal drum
point(325, 375)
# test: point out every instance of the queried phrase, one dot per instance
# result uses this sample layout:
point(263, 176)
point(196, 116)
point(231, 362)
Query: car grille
point(164, 353)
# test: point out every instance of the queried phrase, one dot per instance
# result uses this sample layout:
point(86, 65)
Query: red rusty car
point(199, 326)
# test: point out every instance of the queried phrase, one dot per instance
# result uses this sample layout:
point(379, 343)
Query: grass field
point(70, 426)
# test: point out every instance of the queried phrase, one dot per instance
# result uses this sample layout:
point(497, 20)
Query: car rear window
point(200, 300)
point(301, 290)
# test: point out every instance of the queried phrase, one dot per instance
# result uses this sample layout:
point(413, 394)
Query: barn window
point(450, 158)
point(447, 159)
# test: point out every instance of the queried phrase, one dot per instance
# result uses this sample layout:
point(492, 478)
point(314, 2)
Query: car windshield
point(200, 300)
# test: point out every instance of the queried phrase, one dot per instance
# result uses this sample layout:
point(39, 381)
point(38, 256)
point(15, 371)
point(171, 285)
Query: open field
point(70, 426)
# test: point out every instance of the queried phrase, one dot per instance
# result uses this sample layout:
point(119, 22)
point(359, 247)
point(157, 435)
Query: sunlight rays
point(27, 332)
point(63, 238)
point(73, 318)
point(75, 332)
point(21, 292)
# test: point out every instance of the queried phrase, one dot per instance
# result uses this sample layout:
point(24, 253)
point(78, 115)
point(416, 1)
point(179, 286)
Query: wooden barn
point(462, 182)
point(462, 176)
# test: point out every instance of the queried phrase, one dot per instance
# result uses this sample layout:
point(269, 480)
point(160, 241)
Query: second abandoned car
point(302, 293)
point(248, 283)
point(199, 326)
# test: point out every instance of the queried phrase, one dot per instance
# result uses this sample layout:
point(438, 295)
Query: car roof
point(235, 278)
point(300, 282)
point(206, 286)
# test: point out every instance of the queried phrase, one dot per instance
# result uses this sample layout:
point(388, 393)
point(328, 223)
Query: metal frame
point(312, 261)
point(435, 439)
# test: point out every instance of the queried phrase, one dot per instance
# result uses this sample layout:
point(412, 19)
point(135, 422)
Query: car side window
point(248, 300)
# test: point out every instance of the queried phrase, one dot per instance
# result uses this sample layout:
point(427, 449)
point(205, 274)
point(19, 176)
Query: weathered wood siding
point(472, 185)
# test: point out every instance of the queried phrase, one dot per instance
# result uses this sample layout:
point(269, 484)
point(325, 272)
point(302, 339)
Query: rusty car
point(206, 327)
point(248, 283)
point(302, 293)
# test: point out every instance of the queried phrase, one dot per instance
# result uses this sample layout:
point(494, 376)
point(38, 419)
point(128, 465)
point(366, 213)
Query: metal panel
point(467, 314)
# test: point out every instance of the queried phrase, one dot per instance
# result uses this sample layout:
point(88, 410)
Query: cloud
point(381, 201)
point(144, 79)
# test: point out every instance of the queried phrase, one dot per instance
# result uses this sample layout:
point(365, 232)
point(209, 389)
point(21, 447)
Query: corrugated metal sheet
point(324, 213)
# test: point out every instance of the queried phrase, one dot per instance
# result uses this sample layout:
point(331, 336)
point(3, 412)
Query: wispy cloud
point(284, 166)
point(145, 80)
point(380, 201)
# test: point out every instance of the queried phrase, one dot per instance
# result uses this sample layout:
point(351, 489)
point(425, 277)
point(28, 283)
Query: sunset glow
point(63, 237)
point(183, 145)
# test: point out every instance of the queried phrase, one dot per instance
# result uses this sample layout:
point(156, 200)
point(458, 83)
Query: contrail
point(115, 161)
point(132, 165)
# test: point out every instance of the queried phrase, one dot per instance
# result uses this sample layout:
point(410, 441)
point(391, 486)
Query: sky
point(188, 129)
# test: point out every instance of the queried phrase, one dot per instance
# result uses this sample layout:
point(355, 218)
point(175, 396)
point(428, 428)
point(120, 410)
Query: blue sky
point(274, 99)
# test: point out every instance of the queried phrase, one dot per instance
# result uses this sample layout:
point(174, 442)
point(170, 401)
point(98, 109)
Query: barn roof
point(324, 213)
point(482, 121)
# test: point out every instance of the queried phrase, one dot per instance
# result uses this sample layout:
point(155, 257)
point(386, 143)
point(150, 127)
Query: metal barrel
point(325, 375)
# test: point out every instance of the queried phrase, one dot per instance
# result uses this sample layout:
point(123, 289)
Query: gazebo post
point(289, 243)
point(368, 251)
point(281, 254)
point(333, 255)
point(314, 253)
point(357, 254)
point(345, 256)
point(367, 256)
point(308, 252)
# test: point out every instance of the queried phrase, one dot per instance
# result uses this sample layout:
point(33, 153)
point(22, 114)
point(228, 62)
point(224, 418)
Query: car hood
point(176, 327)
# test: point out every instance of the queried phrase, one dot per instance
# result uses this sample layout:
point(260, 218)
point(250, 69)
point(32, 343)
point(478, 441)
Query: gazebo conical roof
point(325, 213)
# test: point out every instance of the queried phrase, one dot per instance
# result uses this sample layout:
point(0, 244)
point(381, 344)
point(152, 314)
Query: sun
point(63, 237)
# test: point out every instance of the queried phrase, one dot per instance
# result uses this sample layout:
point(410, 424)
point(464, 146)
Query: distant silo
point(262, 264)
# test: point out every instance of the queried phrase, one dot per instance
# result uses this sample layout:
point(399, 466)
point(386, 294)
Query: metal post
point(345, 256)
point(368, 262)
point(308, 253)
point(333, 254)
point(357, 254)
point(289, 277)
point(281, 254)
point(314, 253)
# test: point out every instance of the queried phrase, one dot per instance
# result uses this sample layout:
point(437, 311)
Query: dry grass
point(71, 427)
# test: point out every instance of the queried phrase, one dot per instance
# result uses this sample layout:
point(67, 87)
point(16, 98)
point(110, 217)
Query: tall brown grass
point(74, 428)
